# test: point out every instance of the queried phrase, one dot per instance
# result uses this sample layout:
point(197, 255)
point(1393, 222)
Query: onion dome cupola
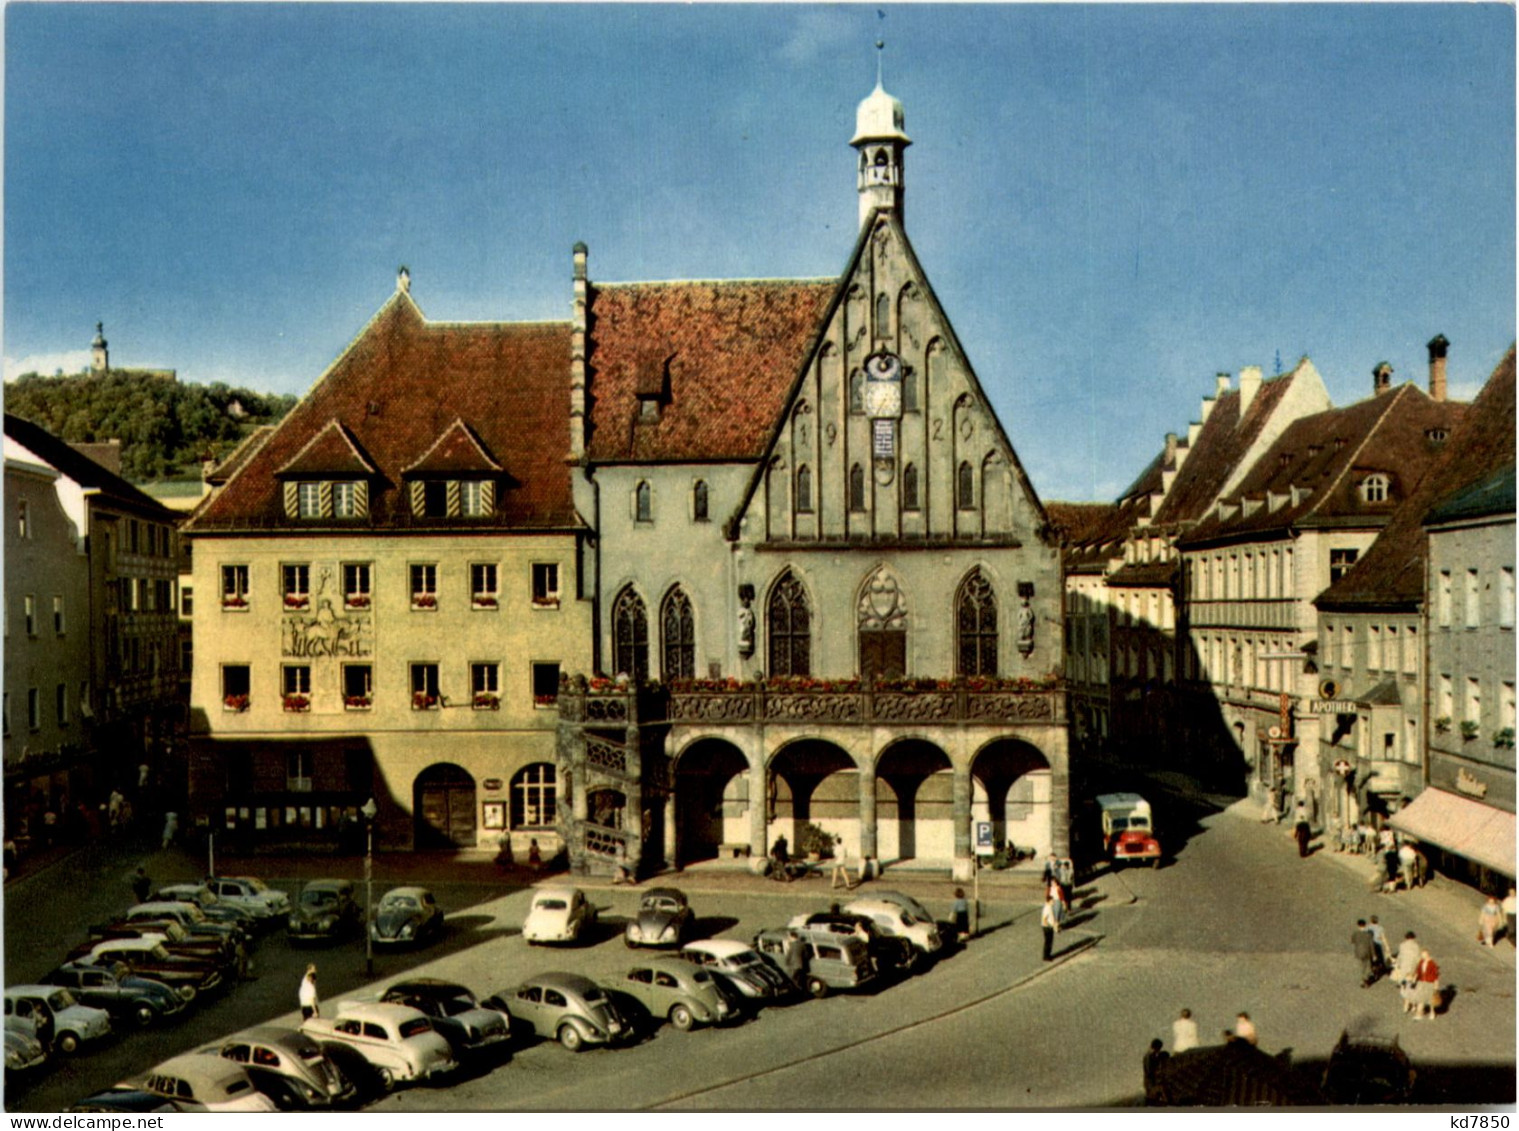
point(881, 141)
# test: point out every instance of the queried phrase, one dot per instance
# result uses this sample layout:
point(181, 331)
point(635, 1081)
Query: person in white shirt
point(1183, 1032)
point(310, 1007)
point(1244, 1028)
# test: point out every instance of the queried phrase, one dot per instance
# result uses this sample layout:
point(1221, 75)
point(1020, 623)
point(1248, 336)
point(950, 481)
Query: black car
point(455, 1012)
point(325, 910)
point(111, 986)
point(1368, 1070)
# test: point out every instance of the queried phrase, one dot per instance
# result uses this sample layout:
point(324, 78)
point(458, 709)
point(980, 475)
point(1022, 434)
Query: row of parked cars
point(141, 968)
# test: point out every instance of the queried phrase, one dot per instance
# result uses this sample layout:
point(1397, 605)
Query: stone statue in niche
point(745, 621)
point(1025, 636)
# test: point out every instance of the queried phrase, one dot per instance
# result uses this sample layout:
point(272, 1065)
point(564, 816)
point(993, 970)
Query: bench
point(732, 850)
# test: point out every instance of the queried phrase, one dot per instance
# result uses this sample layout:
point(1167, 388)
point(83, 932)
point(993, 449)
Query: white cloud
point(817, 32)
point(70, 361)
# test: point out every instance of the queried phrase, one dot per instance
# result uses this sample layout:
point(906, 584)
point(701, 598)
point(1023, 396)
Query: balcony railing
point(696, 702)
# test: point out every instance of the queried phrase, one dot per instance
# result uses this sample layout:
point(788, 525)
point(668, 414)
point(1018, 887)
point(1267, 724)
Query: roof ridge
point(774, 280)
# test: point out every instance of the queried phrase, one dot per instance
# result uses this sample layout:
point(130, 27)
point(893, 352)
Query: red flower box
point(357, 601)
point(487, 701)
point(297, 703)
point(484, 601)
point(235, 702)
point(234, 602)
point(421, 701)
point(424, 601)
point(357, 702)
point(293, 602)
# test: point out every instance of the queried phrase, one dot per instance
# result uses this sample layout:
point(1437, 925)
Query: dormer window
point(344, 500)
point(648, 410)
point(1374, 488)
point(315, 499)
point(1436, 435)
point(435, 499)
point(472, 498)
point(455, 478)
point(453, 498)
point(308, 500)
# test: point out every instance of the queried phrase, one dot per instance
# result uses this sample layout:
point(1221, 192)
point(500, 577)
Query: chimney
point(1381, 378)
point(1437, 349)
point(1249, 385)
point(577, 355)
point(1223, 385)
point(403, 281)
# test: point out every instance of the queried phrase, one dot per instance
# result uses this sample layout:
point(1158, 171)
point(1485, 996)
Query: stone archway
point(711, 800)
point(813, 782)
point(914, 803)
point(1011, 788)
point(443, 807)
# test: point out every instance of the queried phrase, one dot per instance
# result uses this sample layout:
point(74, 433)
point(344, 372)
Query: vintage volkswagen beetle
point(663, 918)
point(672, 988)
point(406, 915)
point(113, 987)
point(23, 1050)
point(557, 914)
point(568, 1008)
point(289, 1067)
point(198, 1082)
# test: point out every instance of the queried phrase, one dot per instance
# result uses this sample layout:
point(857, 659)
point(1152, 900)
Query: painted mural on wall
point(327, 626)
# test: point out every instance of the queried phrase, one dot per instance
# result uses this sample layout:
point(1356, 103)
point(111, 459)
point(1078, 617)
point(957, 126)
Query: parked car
point(406, 915)
point(568, 1008)
point(557, 915)
point(24, 1051)
point(1128, 833)
point(887, 953)
point(197, 1082)
point(894, 921)
point(664, 918)
point(175, 939)
point(398, 1040)
point(268, 906)
point(466, 1024)
point(739, 967)
point(73, 1024)
point(189, 916)
point(818, 962)
point(906, 902)
point(289, 1067)
point(672, 988)
point(326, 910)
point(208, 901)
point(1368, 1070)
point(113, 987)
point(125, 1099)
point(148, 958)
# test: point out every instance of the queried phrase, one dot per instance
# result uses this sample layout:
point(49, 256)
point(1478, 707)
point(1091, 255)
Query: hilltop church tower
point(100, 357)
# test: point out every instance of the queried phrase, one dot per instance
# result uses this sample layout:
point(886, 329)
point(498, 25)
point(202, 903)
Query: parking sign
point(984, 839)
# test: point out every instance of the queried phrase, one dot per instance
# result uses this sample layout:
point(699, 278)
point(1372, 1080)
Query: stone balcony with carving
point(979, 700)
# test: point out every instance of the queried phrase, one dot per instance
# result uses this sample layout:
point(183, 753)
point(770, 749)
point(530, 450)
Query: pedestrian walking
point(1408, 861)
point(1489, 919)
point(1155, 1060)
point(1049, 923)
point(1065, 876)
point(961, 915)
point(1368, 837)
point(1365, 952)
point(840, 874)
point(1303, 832)
point(310, 1006)
point(1272, 812)
point(1184, 1032)
point(142, 887)
point(1508, 917)
point(1244, 1029)
point(171, 828)
point(534, 855)
point(1390, 870)
point(1383, 956)
point(1427, 989)
point(1406, 970)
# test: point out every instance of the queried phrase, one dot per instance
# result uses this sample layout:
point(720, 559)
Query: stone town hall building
point(713, 561)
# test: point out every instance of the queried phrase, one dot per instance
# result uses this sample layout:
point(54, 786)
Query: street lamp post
point(369, 811)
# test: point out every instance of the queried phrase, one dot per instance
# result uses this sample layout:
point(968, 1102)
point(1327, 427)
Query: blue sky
point(1112, 202)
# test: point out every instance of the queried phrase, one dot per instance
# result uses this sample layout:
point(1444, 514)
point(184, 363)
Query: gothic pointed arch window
point(804, 490)
point(910, 488)
point(965, 487)
point(677, 636)
point(857, 488)
point(699, 501)
point(789, 628)
point(857, 392)
point(643, 502)
point(976, 627)
point(630, 636)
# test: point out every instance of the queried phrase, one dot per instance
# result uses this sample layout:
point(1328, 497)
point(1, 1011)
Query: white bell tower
point(881, 142)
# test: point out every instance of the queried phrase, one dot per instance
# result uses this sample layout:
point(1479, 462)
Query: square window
point(424, 586)
point(545, 684)
point(186, 600)
point(236, 684)
point(485, 686)
point(295, 686)
point(29, 607)
point(308, 500)
point(344, 500)
point(472, 498)
point(358, 687)
point(296, 585)
point(234, 587)
point(424, 687)
point(546, 584)
point(33, 709)
point(482, 585)
point(356, 592)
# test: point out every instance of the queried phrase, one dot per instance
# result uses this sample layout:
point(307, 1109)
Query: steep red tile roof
point(457, 450)
point(1327, 456)
point(331, 451)
point(731, 350)
point(1392, 572)
point(1076, 522)
point(1222, 442)
point(399, 388)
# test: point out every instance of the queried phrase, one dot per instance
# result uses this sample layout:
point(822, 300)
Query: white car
point(557, 915)
point(252, 894)
point(73, 1024)
point(906, 902)
point(398, 1040)
point(895, 921)
point(199, 1082)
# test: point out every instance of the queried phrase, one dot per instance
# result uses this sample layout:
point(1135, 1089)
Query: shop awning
point(1460, 825)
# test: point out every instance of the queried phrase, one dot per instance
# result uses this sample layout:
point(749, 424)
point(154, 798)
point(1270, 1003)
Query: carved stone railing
point(606, 755)
point(600, 841)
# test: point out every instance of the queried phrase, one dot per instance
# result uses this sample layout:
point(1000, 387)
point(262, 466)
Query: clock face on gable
point(883, 385)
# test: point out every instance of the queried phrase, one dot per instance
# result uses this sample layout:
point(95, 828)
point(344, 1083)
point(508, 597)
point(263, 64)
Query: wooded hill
point(166, 428)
